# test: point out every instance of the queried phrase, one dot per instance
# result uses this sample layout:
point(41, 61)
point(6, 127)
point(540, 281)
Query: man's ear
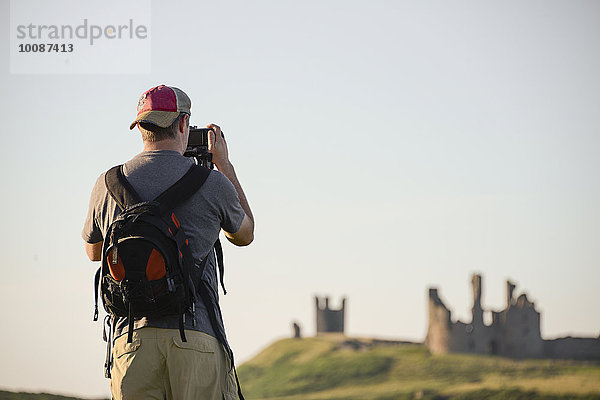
point(183, 123)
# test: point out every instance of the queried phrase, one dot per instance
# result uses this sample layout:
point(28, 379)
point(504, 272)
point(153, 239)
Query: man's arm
point(94, 251)
point(218, 147)
point(91, 234)
point(245, 235)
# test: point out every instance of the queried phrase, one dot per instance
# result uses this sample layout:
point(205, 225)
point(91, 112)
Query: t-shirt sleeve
point(231, 212)
point(91, 230)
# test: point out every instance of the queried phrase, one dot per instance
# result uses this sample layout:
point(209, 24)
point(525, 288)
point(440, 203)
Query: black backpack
point(147, 268)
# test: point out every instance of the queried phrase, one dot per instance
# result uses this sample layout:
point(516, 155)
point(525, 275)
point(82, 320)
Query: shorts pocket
point(122, 347)
point(194, 344)
point(194, 365)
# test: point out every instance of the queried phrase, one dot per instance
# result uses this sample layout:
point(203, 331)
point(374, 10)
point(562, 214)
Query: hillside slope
point(342, 368)
point(6, 395)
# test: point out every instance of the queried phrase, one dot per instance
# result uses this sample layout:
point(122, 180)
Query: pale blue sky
point(384, 147)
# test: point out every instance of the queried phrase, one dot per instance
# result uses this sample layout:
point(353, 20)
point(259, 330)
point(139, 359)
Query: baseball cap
point(161, 105)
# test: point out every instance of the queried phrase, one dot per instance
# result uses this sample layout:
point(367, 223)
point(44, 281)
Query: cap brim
point(160, 118)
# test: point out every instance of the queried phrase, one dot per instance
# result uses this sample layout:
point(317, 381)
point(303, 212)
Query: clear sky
point(384, 146)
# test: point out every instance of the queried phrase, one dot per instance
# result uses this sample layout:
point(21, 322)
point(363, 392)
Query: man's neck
point(163, 145)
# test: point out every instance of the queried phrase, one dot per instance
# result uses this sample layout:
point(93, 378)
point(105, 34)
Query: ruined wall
point(440, 324)
point(475, 337)
point(518, 328)
point(329, 320)
point(573, 348)
point(471, 338)
point(445, 336)
point(514, 331)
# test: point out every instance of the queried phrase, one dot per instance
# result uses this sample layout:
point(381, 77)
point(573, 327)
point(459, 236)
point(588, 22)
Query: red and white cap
point(161, 105)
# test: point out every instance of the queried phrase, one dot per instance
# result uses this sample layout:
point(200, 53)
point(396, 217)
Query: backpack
point(147, 268)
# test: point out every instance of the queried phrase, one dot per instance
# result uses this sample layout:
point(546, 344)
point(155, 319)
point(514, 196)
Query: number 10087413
point(46, 48)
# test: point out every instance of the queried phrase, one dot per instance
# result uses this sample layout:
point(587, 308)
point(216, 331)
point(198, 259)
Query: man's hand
point(217, 146)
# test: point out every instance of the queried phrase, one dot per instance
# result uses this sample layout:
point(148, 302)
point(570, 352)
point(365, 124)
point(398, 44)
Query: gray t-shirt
point(216, 205)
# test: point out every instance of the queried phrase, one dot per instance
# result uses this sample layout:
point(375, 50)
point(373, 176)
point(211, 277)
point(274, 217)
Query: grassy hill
point(4, 395)
point(341, 368)
point(338, 368)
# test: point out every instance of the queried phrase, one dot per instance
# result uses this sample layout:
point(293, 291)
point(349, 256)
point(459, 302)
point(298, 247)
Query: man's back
point(214, 207)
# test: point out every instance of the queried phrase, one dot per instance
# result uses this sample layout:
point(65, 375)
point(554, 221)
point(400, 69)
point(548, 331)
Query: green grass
point(338, 368)
point(4, 395)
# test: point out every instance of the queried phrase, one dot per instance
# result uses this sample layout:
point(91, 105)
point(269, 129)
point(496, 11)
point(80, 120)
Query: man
point(157, 364)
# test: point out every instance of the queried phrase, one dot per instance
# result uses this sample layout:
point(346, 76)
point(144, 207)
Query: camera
point(197, 146)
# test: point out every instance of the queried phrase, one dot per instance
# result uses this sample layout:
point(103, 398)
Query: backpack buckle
point(115, 257)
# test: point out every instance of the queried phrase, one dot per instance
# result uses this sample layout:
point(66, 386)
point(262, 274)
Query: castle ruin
point(513, 332)
point(329, 320)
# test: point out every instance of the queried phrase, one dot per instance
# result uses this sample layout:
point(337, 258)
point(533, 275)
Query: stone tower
point(510, 288)
point(439, 331)
point(477, 320)
point(328, 320)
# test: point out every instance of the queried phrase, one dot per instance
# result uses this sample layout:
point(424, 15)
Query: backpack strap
point(220, 265)
point(96, 288)
point(125, 195)
point(183, 189)
point(119, 188)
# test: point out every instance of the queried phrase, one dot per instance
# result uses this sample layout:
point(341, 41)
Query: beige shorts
point(158, 365)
